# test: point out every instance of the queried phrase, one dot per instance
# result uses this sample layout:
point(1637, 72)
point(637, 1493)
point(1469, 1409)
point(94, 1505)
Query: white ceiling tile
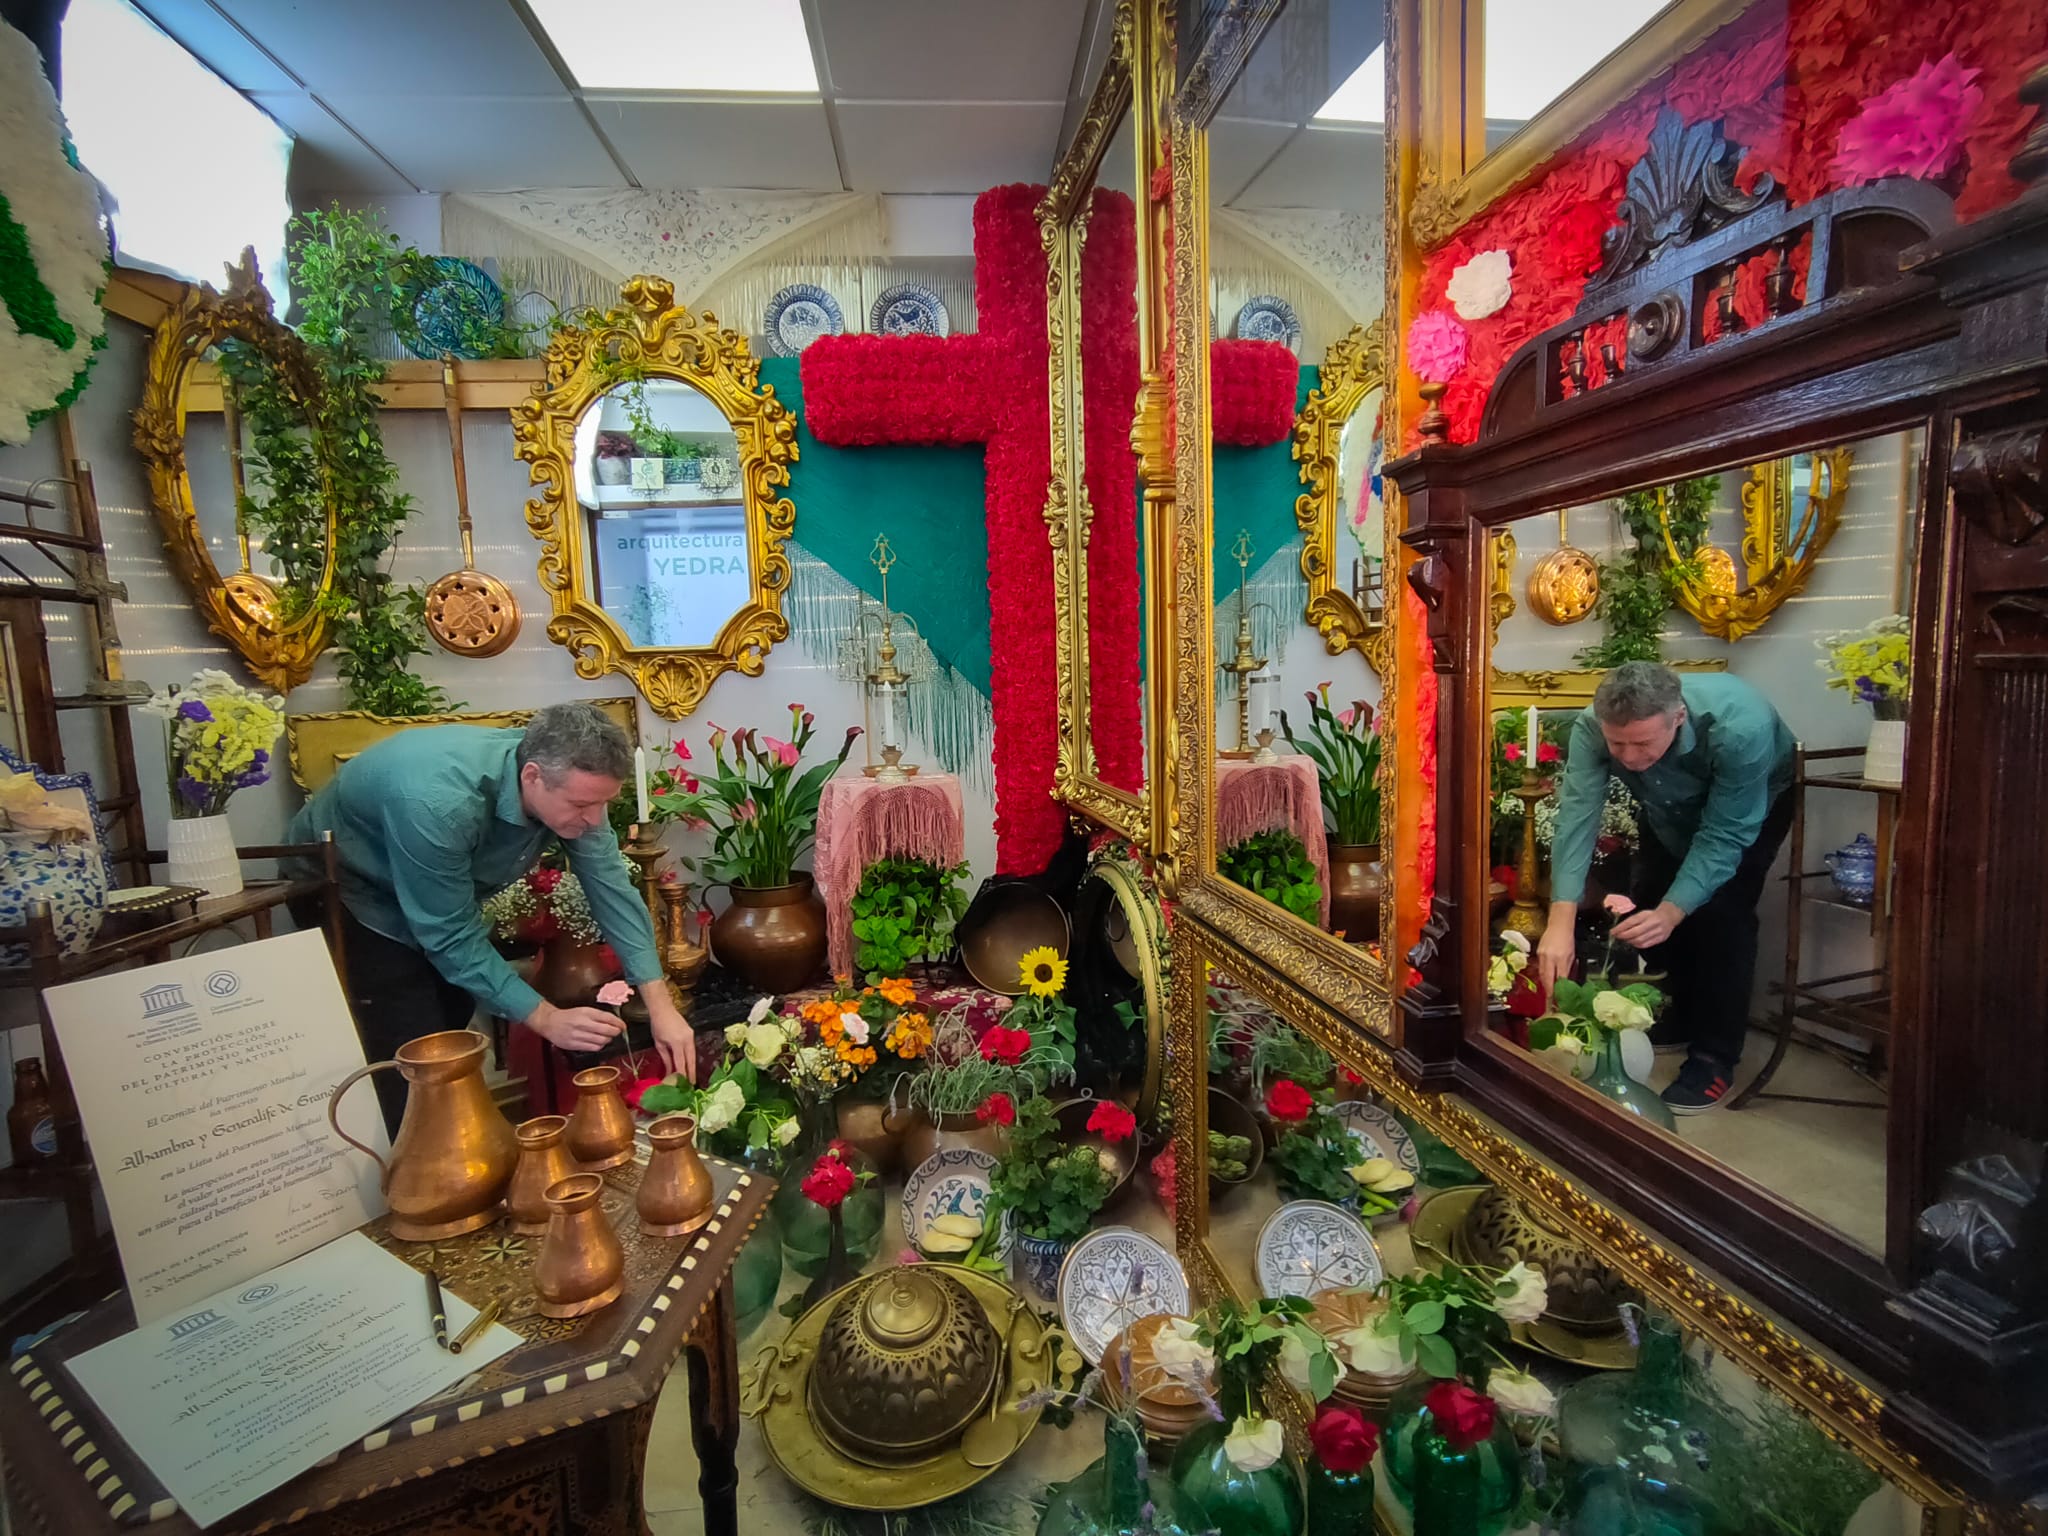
point(482, 143)
point(218, 43)
point(419, 46)
point(326, 157)
point(772, 144)
point(1238, 150)
point(924, 50)
point(1323, 167)
point(949, 147)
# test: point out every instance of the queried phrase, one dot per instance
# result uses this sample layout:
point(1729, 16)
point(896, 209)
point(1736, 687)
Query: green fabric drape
point(1254, 490)
point(930, 502)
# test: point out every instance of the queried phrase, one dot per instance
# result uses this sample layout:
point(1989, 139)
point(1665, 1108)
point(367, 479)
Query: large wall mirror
point(238, 475)
point(661, 460)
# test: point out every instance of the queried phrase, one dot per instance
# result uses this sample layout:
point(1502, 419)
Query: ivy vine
point(1638, 587)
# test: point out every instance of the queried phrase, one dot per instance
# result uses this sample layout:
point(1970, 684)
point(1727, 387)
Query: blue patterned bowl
point(70, 876)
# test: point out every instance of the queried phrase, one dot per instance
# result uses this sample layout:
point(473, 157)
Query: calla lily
point(763, 1006)
point(785, 752)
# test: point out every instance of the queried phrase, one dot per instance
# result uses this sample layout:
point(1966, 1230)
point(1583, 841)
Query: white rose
point(1617, 1011)
point(1519, 1392)
point(1481, 286)
point(763, 1006)
point(1254, 1444)
point(1518, 942)
point(1181, 1354)
point(855, 1026)
point(785, 1131)
point(1369, 1350)
point(1517, 959)
point(721, 1108)
point(1571, 1045)
point(736, 1035)
point(765, 1043)
point(1526, 1297)
point(1498, 977)
point(1294, 1363)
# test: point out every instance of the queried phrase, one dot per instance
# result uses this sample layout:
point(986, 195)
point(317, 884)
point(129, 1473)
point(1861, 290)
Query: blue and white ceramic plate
point(1111, 1278)
point(1268, 317)
point(953, 1181)
point(1308, 1246)
point(909, 309)
point(1383, 1135)
point(456, 310)
point(798, 316)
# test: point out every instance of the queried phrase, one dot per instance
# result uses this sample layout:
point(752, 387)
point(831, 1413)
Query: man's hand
point(1558, 948)
point(1649, 927)
point(673, 1036)
point(574, 1029)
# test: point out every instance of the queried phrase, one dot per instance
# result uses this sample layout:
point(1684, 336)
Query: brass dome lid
point(1585, 1295)
point(907, 1359)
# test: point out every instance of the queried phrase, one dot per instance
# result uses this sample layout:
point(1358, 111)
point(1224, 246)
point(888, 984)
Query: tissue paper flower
point(1437, 347)
point(1481, 287)
point(1914, 127)
point(613, 993)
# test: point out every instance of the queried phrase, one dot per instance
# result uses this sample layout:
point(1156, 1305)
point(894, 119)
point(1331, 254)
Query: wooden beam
point(414, 384)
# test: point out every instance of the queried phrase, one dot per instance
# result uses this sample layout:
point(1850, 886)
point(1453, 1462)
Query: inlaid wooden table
point(547, 1441)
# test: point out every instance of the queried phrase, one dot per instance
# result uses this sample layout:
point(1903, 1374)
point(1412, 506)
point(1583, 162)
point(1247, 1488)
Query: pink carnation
point(1437, 346)
point(1914, 127)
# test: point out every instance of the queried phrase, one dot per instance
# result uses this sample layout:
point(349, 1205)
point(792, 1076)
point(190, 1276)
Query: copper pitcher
point(581, 1264)
point(544, 1161)
point(455, 1151)
point(675, 1192)
point(601, 1127)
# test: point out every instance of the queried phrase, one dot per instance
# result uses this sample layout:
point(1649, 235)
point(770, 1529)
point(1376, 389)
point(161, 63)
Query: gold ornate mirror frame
point(1353, 367)
point(280, 653)
point(1138, 48)
point(1779, 545)
point(651, 333)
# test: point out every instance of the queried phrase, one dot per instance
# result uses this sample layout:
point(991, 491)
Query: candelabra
point(1244, 661)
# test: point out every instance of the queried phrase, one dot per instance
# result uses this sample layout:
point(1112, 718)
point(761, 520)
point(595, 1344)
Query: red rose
point(1465, 1416)
point(1349, 1078)
point(829, 1182)
point(1287, 1101)
point(1344, 1439)
point(1114, 1121)
point(997, 1109)
point(1004, 1045)
point(545, 880)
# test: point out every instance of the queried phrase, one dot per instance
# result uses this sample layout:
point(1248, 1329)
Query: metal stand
point(1527, 916)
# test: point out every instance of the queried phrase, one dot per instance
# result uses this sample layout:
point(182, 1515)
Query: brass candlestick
point(643, 847)
point(1244, 662)
point(681, 956)
point(1527, 916)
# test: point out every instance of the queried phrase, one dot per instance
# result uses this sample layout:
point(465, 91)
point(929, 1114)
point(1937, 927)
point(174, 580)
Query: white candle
point(640, 781)
point(1530, 763)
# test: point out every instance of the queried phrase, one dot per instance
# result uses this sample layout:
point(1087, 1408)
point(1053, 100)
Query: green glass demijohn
point(1117, 1495)
point(1489, 1473)
point(1339, 1503)
point(1213, 1493)
point(1610, 1078)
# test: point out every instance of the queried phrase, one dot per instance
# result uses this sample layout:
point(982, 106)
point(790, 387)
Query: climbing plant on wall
point(1638, 588)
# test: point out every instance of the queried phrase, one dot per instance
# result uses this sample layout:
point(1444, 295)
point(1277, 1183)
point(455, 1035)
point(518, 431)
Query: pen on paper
point(477, 1325)
point(439, 1311)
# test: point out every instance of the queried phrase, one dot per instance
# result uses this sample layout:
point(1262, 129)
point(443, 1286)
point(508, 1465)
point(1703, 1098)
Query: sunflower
point(1043, 972)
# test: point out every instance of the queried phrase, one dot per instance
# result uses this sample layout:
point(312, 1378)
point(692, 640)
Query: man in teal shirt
point(1710, 762)
point(430, 821)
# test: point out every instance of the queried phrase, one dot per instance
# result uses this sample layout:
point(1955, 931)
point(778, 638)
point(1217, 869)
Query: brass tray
point(1438, 1234)
point(774, 1392)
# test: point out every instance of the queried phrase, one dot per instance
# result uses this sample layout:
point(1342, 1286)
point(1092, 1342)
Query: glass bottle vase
point(1213, 1493)
point(1117, 1495)
point(1611, 1078)
point(1497, 1459)
point(1339, 1503)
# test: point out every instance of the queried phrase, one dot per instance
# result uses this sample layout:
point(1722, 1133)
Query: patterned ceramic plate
point(909, 309)
point(1383, 1135)
point(1111, 1278)
point(951, 1182)
point(1310, 1245)
point(1268, 317)
point(798, 316)
point(457, 310)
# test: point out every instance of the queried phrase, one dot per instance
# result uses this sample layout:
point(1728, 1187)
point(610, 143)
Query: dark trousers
point(396, 995)
point(1710, 958)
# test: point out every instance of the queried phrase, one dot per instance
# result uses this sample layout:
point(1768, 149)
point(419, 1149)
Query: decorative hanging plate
point(1310, 1245)
point(909, 309)
point(1110, 1279)
point(953, 1181)
point(798, 316)
point(1268, 317)
point(1383, 1135)
point(454, 310)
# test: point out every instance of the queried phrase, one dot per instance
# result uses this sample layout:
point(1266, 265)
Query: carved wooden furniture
point(1906, 321)
point(550, 1441)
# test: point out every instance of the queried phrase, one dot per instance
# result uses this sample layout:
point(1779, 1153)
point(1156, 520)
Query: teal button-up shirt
point(427, 823)
point(1705, 798)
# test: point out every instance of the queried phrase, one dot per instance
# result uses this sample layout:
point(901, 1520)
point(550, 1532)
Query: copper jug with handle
point(455, 1152)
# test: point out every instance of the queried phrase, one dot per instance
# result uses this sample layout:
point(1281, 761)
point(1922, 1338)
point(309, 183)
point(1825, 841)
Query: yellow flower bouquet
point(218, 738)
point(1872, 664)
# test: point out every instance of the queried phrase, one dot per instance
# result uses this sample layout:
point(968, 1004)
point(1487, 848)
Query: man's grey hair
point(568, 738)
point(1637, 690)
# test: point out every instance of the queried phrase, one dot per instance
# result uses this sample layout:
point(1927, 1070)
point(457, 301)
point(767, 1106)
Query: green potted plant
point(1318, 1157)
point(904, 913)
point(1048, 1188)
point(1346, 751)
point(1275, 865)
point(971, 1085)
point(762, 814)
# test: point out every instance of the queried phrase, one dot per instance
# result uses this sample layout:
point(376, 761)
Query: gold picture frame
point(317, 745)
point(650, 334)
point(1779, 544)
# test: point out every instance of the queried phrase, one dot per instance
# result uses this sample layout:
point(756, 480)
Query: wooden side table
point(548, 1441)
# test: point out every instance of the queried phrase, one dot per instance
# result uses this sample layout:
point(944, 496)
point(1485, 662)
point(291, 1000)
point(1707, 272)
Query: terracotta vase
point(772, 938)
point(1357, 882)
point(925, 1137)
point(601, 1128)
point(581, 1264)
point(675, 1196)
point(878, 1128)
point(571, 971)
point(544, 1161)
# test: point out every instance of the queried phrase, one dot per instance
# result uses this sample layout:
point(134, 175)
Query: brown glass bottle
point(31, 1123)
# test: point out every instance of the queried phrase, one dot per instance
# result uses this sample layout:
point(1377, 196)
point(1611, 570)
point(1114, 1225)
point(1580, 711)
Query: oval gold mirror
point(659, 454)
point(238, 473)
point(1748, 563)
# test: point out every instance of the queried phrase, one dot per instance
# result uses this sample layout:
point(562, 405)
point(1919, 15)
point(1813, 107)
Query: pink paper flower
point(613, 993)
point(1437, 347)
point(1914, 127)
point(1619, 905)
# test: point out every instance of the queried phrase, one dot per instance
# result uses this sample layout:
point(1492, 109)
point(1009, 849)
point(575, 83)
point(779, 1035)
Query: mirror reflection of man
point(428, 822)
point(1710, 762)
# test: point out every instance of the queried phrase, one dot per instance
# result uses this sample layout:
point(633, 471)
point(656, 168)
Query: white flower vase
point(1884, 760)
point(202, 851)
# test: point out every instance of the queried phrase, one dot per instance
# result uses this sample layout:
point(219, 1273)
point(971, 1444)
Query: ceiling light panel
point(723, 46)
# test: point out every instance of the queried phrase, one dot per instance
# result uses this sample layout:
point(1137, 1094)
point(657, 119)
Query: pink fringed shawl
point(860, 821)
